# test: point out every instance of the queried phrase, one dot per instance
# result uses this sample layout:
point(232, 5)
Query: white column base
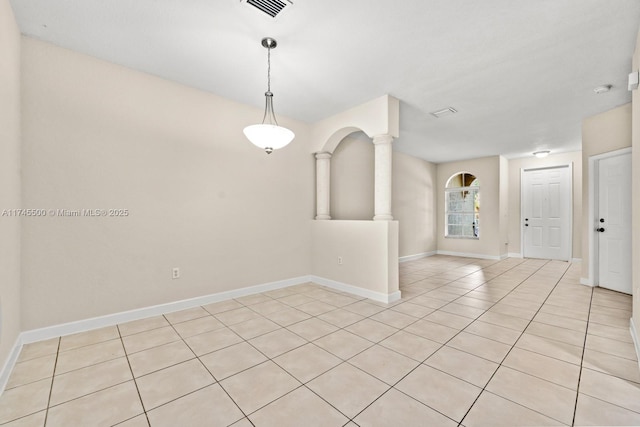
point(383, 217)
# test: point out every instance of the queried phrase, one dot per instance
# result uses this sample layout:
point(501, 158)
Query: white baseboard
point(470, 255)
point(355, 290)
point(636, 339)
point(416, 256)
point(10, 363)
point(156, 310)
point(519, 255)
point(84, 325)
point(587, 282)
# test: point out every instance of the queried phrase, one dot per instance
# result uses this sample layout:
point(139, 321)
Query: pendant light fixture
point(268, 135)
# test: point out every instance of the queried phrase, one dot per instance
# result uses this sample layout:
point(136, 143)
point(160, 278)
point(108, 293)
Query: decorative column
point(382, 182)
point(323, 185)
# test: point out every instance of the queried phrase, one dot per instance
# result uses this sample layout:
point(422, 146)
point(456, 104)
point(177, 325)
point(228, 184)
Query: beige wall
point(352, 179)
point(200, 196)
point(491, 242)
point(414, 203)
point(602, 133)
point(514, 224)
point(635, 184)
point(9, 180)
point(368, 250)
point(504, 205)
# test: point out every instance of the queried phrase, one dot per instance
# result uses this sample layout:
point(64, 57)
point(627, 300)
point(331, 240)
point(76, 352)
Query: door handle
point(600, 230)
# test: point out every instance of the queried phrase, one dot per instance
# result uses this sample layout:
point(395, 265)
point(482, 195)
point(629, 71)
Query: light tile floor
point(472, 343)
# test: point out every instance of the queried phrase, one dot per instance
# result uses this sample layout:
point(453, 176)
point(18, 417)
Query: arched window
point(462, 207)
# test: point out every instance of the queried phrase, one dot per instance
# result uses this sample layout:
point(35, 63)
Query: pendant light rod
point(269, 113)
point(269, 43)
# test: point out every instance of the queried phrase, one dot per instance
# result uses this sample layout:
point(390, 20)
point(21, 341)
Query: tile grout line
point(516, 341)
point(206, 368)
point(53, 377)
point(133, 377)
point(181, 339)
point(350, 419)
point(584, 348)
point(444, 344)
point(441, 344)
point(269, 359)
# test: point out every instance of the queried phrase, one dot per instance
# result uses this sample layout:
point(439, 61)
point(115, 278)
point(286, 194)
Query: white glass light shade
point(268, 137)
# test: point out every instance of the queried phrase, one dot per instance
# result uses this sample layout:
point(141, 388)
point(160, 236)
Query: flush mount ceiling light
point(541, 154)
point(268, 135)
point(602, 89)
point(443, 112)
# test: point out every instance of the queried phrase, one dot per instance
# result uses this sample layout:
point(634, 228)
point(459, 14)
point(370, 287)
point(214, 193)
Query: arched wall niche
point(340, 135)
point(380, 116)
point(352, 178)
point(377, 119)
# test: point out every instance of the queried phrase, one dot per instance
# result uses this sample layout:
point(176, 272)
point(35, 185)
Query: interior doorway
point(612, 221)
point(547, 201)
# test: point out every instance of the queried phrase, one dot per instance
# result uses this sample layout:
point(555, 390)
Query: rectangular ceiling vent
point(443, 112)
point(271, 7)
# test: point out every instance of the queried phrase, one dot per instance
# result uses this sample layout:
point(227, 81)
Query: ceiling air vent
point(443, 112)
point(271, 7)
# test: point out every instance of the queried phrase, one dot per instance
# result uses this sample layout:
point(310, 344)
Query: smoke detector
point(602, 89)
point(273, 8)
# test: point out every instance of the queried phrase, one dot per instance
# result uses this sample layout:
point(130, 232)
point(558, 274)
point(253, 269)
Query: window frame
point(472, 189)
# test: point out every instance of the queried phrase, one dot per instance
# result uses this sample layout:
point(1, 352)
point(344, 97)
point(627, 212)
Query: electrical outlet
point(175, 273)
point(339, 260)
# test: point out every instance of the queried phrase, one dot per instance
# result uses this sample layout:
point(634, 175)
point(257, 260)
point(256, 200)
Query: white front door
point(546, 213)
point(613, 222)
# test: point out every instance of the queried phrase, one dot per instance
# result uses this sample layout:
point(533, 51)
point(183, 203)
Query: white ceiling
point(520, 73)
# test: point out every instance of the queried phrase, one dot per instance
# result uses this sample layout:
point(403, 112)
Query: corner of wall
point(635, 183)
point(636, 339)
point(10, 190)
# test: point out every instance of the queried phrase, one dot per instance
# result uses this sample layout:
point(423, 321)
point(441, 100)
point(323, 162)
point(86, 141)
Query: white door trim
point(593, 202)
point(522, 171)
